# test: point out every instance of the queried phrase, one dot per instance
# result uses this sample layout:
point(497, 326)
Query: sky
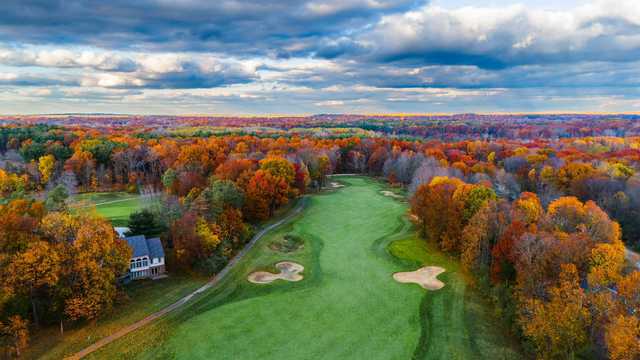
point(318, 56)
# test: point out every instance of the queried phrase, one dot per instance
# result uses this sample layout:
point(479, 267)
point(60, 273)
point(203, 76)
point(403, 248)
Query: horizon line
point(302, 115)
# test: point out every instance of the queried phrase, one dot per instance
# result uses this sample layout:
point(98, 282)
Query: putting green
point(347, 307)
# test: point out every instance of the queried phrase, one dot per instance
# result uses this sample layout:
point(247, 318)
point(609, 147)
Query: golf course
point(115, 206)
point(332, 294)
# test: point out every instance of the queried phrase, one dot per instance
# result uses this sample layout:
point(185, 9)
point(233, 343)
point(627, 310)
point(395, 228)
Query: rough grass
point(457, 323)
point(288, 243)
point(348, 306)
point(115, 206)
point(143, 298)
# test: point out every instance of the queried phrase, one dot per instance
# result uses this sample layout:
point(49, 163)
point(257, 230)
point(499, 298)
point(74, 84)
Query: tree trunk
point(33, 308)
point(61, 328)
point(424, 228)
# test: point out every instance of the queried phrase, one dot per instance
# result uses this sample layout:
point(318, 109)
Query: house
point(147, 260)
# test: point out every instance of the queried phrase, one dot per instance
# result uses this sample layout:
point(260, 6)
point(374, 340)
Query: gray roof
point(155, 248)
point(142, 246)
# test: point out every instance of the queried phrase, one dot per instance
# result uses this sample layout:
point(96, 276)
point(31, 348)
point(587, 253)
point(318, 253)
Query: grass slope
point(348, 305)
point(115, 206)
point(144, 298)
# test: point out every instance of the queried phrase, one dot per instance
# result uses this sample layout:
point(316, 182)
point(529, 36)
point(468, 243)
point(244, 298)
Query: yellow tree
point(623, 338)
point(629, 292)
point(14, 336)
point(59, 227)
point(527, 208)
point(606, 262)
point(33, 269)
point(558, 327)
point(46, 165)
point(478, 236)
point(279, 167)
point(98, 258)
point(210, 239)
point(566, 213)
point(10, 183)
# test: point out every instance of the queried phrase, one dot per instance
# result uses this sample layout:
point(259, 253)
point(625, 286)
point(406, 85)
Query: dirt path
point(212, 282)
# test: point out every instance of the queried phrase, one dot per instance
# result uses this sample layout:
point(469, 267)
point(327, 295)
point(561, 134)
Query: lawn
point(348, 306)
point(144, 297)
point(115, 206)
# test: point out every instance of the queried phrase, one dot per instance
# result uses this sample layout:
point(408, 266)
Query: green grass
point(347, 307)
point(457, 322)
point(115, 206)
point(143, 298)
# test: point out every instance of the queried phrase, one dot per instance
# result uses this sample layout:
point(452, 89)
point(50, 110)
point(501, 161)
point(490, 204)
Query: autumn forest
point(542, 213)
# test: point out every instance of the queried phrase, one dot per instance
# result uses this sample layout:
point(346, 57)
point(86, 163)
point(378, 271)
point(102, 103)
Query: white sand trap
point(289, 271)
point(335, 185)
point(391, 194)
point(425, 277)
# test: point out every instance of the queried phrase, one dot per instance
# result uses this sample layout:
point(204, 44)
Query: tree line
point(535, 221)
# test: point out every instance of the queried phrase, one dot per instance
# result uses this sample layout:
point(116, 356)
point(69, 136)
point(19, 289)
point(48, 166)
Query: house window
point(145, 262)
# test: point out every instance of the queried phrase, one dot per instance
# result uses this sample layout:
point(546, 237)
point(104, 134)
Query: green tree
point(221, 194)
point(169, 178)
point(145, 222)
point(56, 198)
point(475, 199)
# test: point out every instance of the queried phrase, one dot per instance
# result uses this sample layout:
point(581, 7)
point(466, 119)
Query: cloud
point(496, 38)
point(65, 58)
point(124, 69)
point(32, 79)
point(304, 56)
point(195, 25)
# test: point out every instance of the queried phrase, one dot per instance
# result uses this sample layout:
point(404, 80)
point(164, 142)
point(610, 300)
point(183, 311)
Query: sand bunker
point(425, 277)
point(391, 194)
point(289, 271)
point(335, 185)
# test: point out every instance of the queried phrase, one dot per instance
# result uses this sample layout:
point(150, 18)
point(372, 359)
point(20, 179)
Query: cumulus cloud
point(65, 58)
point(121, 69)
point(304, 56)
point(230, 25)
point(495, 38)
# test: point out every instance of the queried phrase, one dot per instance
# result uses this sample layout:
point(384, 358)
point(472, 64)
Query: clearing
point(115, 206)
point(347, 306)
